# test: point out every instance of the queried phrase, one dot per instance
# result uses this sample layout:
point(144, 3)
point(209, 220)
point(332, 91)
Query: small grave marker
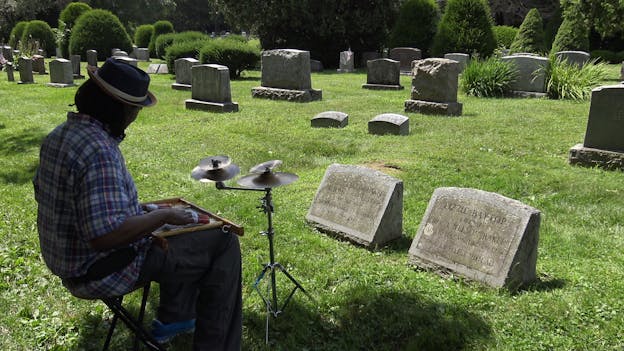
point(389, 123)
point(25, 70)
point(330, 119)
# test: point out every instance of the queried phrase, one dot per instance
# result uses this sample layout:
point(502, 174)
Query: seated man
point(96, 238)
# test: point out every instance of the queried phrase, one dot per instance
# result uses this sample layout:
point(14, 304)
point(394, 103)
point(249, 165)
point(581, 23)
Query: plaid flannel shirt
point(84, 191)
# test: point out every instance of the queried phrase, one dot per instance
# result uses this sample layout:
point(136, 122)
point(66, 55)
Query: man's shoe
point(165, 332)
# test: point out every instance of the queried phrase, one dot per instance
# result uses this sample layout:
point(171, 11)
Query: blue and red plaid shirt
point(84, 191)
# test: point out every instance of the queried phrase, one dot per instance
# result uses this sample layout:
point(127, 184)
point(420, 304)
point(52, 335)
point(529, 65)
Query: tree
point(13, 11)
point(573, 34)
point(98, 30)
point(67, 19)
point(530, 37)
point(416, 25)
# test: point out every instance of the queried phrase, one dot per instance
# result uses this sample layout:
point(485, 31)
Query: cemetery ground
point(363, 299)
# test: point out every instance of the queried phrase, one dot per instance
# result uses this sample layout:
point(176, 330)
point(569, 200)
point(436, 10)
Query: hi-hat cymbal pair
point(221, 168)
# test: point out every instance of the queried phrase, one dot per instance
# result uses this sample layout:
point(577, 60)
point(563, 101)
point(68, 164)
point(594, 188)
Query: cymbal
point(265, 166)
point(216, 175)
point(267, 180)
point(215, 162)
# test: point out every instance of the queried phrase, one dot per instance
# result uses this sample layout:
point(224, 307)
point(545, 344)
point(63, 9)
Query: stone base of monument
point(180, 86)
point(382, 87)
point(588, 157)
point(434, 108)
point(345, 70)
point(193, 104)
point(60, 85)
point(287, 94)
point(527, 94)
point(78, 76)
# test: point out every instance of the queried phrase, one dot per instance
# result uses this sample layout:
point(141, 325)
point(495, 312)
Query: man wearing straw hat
point(96, 238)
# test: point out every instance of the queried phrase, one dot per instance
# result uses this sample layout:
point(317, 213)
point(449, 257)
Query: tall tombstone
point(603, 145)
point(25, 70)
point(61, 73)
point(481, 235)
point(405, 56)
point(346, 64)
point(38, 64)
point(434, 87)
point(359, 204)
point(75, 62)
point(531, 79)
point(9, 70)
point(92, 58)
point(576, 58)
point(7, 52)
point(211, 89)
point(183, 75)
point(463, 59)
point(286, 76)
point(383, 74)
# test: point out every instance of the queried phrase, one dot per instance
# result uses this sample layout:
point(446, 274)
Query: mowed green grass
point(363, 299)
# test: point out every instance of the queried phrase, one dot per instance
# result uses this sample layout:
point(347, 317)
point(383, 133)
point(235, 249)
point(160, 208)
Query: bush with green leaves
point(466, 26)
point(573, 34)
point(67, 20)
point(143, 35)
point(605, 56)
point(16, 33)
point(40, 32)
point(160, 28)
point(166, 40)
point(183, 49)
point(488, 78)
point(237, 56)
point(530, 37)
point(568, 81)
point(416, 25)
point(98, 30)
point(504, 35)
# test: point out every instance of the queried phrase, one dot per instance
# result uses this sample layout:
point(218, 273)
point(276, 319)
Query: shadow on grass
point(544, 283)
point(18, 176)
point(20, 142)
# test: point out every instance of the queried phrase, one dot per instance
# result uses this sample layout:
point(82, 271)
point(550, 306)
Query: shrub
point(67, 19)
point(530, 37)
point(98, 30)
point(40, 32)
point(166, 40)
point(504, 35)
point(416, 25)
point(183, 49)
point(466, 26)
point(573, 34)
point(143, 35)
point(160, 27)
point(235, 55)
point(16, 33)
point(605, 56)
point(568, 81)
point(236, 37)
point(488, 78)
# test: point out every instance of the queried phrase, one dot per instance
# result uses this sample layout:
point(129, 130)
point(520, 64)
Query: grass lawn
point(364, 300)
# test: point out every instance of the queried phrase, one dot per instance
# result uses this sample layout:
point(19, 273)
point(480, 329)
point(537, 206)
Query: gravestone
point(141, 54)
point(346, 62)
point(114, 50)
point(7, 52)
point(389, 123)
point(481, 235)
point(622, 72)
point(120, 53)
point(330, 119)
point(128, 60)
point(211, 89)
point(531, 79)
point(463, 59)
point(405, 56)
point(183, 73)
point(360, 204)
point(61, 73)
point(316, 66)
point(576, 58)
point(603, 145)
point(25, 70)
point(9, 70)
point(157, 68)
point(368, 56)
point(383, 74)
point(434, 87)
point(286, 76)
point(38, 64)
point(92, 58)
point(75, 62)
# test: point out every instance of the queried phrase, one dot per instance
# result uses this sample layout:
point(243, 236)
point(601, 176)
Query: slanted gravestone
point(128, 60)
point(25, 70)
point(434, 87)
point(7, 52)
point(211, 89)
point(405, 56)
point(346, 62)
point(389, 123)
point(360, 204)
point(604, 142)
point(368, 56)
point(576, 58)
point(75, 62)
point(92, 58)
point(38, 64)
point(183, 75)
point(9, 70)
point(463, 59)
point(316, 66)
point(157, 68)
point(286, 76)
point(141, 54)
point(531, 78)
point(61, 73)
point(330, 119)
point(383, 74)
point(481, 235)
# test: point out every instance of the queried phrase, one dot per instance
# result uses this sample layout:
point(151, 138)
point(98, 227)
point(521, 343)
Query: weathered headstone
point(531, 79)
point(211, 89)
point(360, 204)
point(383, 74)
point(61, 73)
point(316, 66)
point(405, 56)
point(141, 54)
point(434, 87)
point(75, 62)
point(127, 60)
point(463, 59)
point(120, 53)
point(25, 70)
point(114, 50)
point(389, 123)
point(286, 76)
point(7, 52)
point(330, 119)
point(346, 64)
point(183, 75)
point(603, 145)
point(577, 58)
point(92, 58)
point(9, 70)
point(368, 56)
point(481, 235)
point(38, 64)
